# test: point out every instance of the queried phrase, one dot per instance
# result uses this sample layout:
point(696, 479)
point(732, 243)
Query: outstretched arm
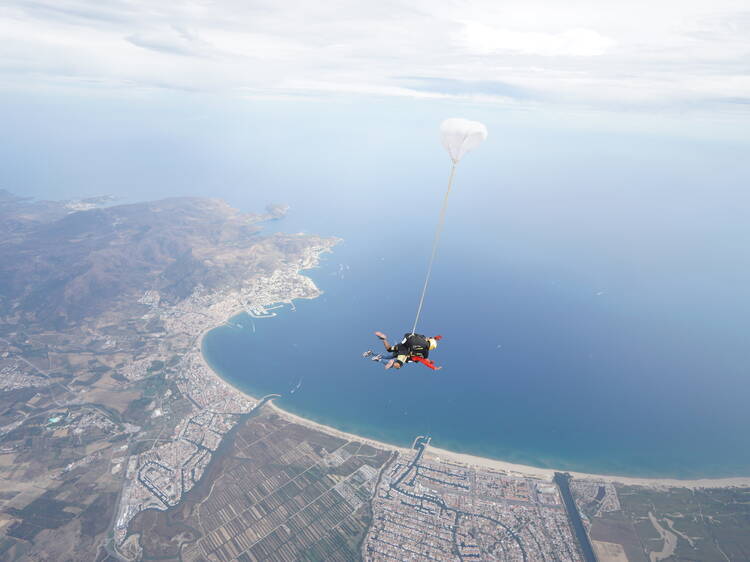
point(384, 339)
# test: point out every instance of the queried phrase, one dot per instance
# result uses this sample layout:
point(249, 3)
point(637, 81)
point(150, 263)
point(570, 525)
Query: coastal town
point(442, 510)
point(158, 478)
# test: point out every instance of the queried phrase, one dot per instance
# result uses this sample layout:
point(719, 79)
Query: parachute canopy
point(459, 136)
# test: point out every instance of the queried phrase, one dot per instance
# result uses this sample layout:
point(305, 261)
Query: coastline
point(464, 458)
point(484, 462)
point(548, 473)
point(290, 416)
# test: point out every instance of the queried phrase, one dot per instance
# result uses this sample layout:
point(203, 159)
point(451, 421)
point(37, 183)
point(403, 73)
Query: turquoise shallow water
point(544, 365)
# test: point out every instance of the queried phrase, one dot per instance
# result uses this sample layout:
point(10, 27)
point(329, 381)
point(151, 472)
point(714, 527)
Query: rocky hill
point(58, 267)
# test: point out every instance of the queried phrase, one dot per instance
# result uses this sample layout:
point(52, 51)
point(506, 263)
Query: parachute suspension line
point(435, 243)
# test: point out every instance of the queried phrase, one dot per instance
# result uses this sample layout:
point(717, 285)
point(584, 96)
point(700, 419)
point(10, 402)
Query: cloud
point(452, 87)
point(172, 40)
point(72, 11)
point(601, 54)
point(484, 39)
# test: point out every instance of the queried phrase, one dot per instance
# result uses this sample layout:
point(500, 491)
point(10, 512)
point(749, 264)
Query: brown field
point(279, 491)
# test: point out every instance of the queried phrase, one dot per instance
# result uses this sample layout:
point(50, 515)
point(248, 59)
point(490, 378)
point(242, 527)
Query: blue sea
point(594, 331)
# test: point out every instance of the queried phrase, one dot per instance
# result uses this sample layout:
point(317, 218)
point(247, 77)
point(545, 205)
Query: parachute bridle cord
point(435, 242)
point(458, 137)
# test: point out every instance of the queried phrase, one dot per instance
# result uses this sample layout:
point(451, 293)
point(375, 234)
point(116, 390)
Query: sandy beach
point(336, 432)
point(548, 473)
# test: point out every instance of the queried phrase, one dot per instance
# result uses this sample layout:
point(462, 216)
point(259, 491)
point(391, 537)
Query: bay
point(550, 359)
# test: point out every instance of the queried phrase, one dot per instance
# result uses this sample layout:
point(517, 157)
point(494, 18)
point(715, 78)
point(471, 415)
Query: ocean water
point(620, 352)
point(593, 285)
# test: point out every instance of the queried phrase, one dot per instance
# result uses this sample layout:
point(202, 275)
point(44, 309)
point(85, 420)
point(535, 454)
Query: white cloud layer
point(656, 53)
point(486, 40)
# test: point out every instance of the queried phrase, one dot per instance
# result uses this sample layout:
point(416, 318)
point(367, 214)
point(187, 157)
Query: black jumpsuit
point(412, 345)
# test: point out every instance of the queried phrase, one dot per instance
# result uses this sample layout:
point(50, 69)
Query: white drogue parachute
point(458, 136)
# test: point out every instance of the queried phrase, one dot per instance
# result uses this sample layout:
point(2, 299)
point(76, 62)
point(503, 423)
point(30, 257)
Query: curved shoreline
point(484, 462)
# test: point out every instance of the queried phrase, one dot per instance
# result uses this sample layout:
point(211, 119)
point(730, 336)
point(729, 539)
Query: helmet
point(433, 343)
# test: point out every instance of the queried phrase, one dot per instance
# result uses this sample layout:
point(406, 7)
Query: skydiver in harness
point(413, 348)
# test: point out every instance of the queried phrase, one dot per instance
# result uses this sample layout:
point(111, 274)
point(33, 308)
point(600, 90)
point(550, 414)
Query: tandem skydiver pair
point(414, 348)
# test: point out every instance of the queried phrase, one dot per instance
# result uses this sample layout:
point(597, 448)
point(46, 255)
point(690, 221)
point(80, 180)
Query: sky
point(147, 99)
point(678, 54)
